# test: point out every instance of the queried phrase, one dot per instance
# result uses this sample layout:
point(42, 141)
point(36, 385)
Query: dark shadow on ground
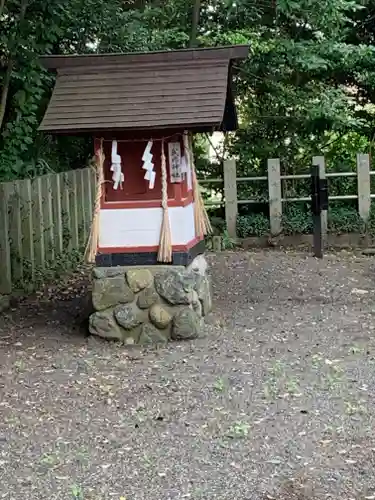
point(58, 312)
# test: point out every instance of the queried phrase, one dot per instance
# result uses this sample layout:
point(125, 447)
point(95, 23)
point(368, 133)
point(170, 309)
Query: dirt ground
point(275, 402)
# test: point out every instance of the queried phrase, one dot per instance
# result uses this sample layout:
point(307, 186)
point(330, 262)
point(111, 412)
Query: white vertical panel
point(141, 226)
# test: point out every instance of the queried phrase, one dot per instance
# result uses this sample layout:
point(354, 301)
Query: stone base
point(150, 304)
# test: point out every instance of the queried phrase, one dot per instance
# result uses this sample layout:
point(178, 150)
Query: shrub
point(297, 219)
point(253, 225)
point(218, 225)
point(344, 220)
point(371, 221)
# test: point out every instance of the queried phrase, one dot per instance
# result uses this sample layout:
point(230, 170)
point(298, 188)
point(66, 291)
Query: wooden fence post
point(230, 193)
point(27, 225)
point(320, 162)
point(274, 194)
point(57, 213)
point(73, 207)
point(46, 190)
point(364, 186)
point(90, 198)
point(81, 218)
point(5, 262)
point(65, 210)
point(15, 234)
point(38, 223)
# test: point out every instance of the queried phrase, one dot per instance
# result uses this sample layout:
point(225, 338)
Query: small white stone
point(199, 265)
point(358, 291)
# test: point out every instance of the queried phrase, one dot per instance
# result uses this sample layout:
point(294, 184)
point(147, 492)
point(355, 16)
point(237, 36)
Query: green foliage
point(227, 242)
point(77, 492)
point(296, 219)
point(344, 219)
point(371, 221)
point(218, 225)
point(307, 88)
point(31, 28)
point(253, 225)
point(34, 279)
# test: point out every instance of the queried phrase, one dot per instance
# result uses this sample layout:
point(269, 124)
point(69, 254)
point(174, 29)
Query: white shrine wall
point(132, 228)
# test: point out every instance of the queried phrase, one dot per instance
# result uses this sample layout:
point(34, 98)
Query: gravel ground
point(275, 402)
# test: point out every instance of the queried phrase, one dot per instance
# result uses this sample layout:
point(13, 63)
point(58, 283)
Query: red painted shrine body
point(135, 189)
point(131, 217)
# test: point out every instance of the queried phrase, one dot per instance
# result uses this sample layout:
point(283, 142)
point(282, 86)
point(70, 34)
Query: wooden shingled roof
point(183, 88)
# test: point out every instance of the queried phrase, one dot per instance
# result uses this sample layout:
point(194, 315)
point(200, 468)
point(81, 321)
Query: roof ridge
point(228, 53)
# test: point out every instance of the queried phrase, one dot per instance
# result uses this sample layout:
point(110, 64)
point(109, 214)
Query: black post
point(319, 202)
point(316, 212)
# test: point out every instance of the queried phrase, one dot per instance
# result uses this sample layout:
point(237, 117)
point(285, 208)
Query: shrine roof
point(190, 88)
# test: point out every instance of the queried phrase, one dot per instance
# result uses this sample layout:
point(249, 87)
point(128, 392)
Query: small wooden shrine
point(142, 110)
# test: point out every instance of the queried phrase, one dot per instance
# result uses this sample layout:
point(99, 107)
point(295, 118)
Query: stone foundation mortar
point(150, 304)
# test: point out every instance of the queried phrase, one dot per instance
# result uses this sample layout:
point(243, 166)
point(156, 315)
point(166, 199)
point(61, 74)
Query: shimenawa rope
point(93, 241)
point(201, 220)
point(165, 244)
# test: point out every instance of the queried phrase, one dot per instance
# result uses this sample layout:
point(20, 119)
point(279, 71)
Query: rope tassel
point(165, 244)
point(93, 241)
point(201, 220)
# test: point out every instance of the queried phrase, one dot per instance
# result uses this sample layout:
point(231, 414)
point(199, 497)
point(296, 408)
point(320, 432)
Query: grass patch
point(239, 430)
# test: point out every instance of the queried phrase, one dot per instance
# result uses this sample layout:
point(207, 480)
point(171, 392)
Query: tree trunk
point(2, 5)
point(12, 51)
point(5, 91)
point(195, 23)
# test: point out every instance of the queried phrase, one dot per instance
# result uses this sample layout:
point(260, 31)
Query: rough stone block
point(138, 279)
point(205, 295)
point(107, 272)
point(151, 335)
point(175, 286)
point(108, 292)
point(129, 316)
point(131, 337)
point(199, 266)
point(104, 325)
point(147, 297)
point(186, 325)
point(196, 304)
point(159, 316)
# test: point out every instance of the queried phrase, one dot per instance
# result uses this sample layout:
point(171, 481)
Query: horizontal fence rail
point(42, 220)
point(275, 198)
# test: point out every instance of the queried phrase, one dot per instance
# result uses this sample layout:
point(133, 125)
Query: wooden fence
point(275, 198)
point(42, 220)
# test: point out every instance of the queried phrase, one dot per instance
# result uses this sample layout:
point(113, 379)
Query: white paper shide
point(117, 176)
point(150, 174)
